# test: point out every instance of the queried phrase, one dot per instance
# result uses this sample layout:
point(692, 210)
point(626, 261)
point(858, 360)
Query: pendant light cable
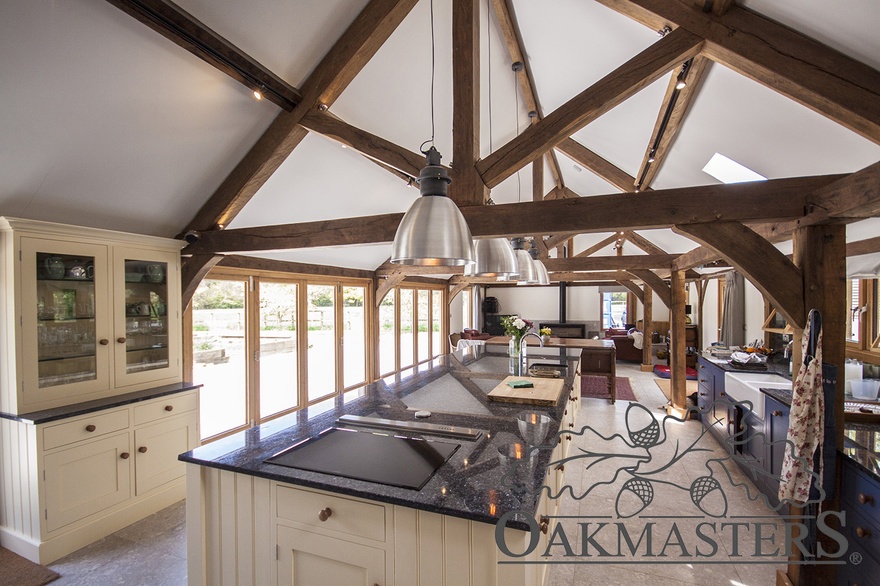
point(489, 68)
point(433, 70)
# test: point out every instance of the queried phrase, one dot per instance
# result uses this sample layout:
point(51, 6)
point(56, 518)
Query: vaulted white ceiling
point(105, 123)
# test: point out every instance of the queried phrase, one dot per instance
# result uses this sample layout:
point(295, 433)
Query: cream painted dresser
point(93, 412)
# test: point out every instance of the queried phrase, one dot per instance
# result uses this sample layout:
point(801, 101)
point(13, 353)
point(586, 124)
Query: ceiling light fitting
point(258, 94)
point(681, 82)
point(527, 274)
point(433, 232)
point(543, 275)
point(493, 257)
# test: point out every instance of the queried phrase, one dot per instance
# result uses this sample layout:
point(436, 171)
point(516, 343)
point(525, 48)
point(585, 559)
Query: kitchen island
point(265, 523)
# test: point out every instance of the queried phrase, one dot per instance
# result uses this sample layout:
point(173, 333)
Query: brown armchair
point(626, 349)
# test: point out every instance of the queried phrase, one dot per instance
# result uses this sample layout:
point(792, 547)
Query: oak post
point(678, 365)
point(648, 330)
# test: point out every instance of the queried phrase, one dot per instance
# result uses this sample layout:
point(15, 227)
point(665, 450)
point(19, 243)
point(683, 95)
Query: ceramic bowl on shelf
point(133, 277)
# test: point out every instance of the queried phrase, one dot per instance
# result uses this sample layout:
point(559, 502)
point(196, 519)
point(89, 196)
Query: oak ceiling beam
point(596, 164)
point(643, 243)
point(337, 69)
point(183, 29)
point(773, 273)
point(852, 197)
point(598, 246)
point(718, 7)
point(672, 111)
point(255, 263)
point(513, 39)
point(654, 282)
point(554, 265)
point(558, 239)
point(812, 74)
point(613, 89)
point(467, 187)
point(742, 202)
point(609, 263)
point(867, 246)
point(582, 276)
point(371, 146)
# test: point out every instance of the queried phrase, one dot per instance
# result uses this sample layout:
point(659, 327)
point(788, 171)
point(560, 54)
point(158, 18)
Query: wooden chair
point(453, 341)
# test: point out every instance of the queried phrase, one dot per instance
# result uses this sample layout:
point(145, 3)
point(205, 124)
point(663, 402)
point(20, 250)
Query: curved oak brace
point(192, 270)
point(386, 285)
point(765, 266)
point(636, 290)
point(653, 281)
point(456, 289)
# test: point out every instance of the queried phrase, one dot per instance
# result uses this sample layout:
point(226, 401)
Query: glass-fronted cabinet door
point(65, 332)
point(147, 291)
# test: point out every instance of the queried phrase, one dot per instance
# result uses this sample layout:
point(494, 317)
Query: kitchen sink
point(745, 386)
point(548, 370)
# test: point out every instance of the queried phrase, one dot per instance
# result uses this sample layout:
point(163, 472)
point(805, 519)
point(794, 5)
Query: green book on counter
point(520, 384)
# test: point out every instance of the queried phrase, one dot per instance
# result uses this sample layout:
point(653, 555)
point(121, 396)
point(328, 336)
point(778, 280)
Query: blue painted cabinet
point(860, 495)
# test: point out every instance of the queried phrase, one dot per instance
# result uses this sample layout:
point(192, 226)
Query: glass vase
point(516, 350)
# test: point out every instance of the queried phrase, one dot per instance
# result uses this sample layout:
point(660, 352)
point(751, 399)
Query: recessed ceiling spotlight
point(727, 170)
point(258, 94)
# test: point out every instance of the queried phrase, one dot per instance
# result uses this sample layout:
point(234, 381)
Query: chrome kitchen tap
point(521, 368)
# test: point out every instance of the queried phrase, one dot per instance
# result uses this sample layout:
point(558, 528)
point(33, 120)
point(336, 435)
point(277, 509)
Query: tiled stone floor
point(153, 551)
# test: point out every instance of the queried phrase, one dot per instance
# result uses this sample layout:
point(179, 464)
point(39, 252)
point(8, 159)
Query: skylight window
point(727, 170)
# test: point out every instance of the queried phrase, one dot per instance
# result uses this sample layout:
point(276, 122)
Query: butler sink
point(745, 386)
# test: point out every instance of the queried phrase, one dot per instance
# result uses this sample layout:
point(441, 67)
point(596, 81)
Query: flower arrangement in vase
point(516, 327)
point(545, 334)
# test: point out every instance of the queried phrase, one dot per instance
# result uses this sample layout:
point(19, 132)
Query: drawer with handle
point(83, 428)
point(167, 406)
point(334, 513)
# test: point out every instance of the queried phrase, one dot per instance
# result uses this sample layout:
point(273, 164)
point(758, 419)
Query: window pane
point(467, 321)
point(353, 336)
point(219, 354)
point(278, 366)
point(424, 319)
point(613, 310)
point(854, 314)
point(322, 341)
point(436, 316)
point(406, 327)
point(386, 334)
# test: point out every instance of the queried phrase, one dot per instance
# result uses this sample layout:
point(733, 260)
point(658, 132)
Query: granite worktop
point(454, 388)
point(66, 411)
point(861, 440)
point(772, 367)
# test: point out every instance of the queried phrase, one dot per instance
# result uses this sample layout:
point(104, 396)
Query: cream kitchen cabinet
point(86, 314)
point(72, 480)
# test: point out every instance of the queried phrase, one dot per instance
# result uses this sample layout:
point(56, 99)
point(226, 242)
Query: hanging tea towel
point(806, 425)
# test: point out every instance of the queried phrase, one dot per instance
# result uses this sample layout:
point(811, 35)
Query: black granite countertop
point(454, 388)
point(47, 415)
point(861, 444)
point(781, 395)
point(772, 367)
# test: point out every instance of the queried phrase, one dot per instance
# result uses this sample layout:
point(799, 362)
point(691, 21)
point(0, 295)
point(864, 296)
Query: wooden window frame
point(867, 349)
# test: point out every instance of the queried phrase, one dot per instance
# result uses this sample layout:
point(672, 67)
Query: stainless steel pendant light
point(527, 275)
point(543, 275)
point(493, 257)
point(433, 232)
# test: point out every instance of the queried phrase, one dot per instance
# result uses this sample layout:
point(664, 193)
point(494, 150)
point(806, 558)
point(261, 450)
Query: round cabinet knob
point(568, 437)
point(121, 339)
point(561, 467)
point(571, 425)
point(545, 524)
point(103, 341)
point(777, 413)
point(702, 394)
point(865, 499)
point(721, 394)
point(125, 455)
point(90, 428)
point(863, 533)
point(169, 408)
point(324, 514)
point(142, 449)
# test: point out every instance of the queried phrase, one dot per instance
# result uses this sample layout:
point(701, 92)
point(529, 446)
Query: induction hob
point(385, 459)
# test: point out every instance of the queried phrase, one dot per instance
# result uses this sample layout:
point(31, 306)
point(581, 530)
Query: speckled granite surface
point(454, 388)
point(772, 367)
point(862, 445)
point(47, 415)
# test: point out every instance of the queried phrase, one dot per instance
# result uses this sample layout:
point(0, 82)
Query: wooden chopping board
point(545, 392)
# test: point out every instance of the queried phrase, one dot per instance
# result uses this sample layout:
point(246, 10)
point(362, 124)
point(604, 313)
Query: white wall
point(532, 303)
point(754, 313)
point(455, 314)
point(710, 325)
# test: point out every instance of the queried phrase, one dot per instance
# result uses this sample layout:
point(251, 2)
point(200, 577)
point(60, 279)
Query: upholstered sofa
point(469, 334)
point(624, 344)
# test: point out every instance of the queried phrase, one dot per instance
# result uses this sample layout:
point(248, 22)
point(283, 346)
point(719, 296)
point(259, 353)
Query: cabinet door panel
point(156, 451)
point(146, 304)
point(64, 336)
point(86, 479)
point(308, 558)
